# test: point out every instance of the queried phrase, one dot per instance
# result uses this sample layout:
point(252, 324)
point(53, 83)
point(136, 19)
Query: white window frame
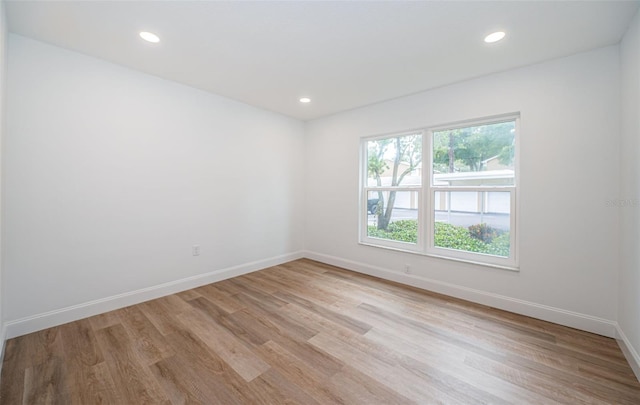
point(426, 203)
point(364, 214)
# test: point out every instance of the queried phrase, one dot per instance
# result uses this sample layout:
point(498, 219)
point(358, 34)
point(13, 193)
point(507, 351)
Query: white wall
point(569, 170)
point(629, 287)
point(112, 175)
point(3, 70)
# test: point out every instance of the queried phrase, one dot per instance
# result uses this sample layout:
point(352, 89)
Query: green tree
point(472, 146)
point(392, 154)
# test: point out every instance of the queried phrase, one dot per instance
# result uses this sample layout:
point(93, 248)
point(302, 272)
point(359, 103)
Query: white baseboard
point(560, 316)
point(3, 343)
point(61, 316)
point(629, 351)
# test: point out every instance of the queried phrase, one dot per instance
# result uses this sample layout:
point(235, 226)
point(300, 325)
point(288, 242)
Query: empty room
point(320, 202)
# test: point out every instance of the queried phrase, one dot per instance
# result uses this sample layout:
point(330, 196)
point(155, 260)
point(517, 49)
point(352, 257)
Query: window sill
point(449, 258)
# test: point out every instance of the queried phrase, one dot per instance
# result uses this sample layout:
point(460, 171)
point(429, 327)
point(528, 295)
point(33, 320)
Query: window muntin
point(463, 208)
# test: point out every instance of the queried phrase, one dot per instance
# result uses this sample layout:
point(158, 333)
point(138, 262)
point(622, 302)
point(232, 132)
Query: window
point(393, 190)
point(461, 207)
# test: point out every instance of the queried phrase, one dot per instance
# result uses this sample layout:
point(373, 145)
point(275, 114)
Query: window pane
point(393, 215)
point(395, 161)
point(480, 155)
point(477, 221)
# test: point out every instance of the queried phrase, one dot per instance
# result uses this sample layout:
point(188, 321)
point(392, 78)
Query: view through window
point(462, 206)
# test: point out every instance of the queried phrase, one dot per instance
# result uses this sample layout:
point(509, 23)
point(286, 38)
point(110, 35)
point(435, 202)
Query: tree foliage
point(467, 149)
point(395, 158)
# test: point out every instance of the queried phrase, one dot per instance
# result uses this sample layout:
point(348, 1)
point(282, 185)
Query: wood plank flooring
point(309, 333)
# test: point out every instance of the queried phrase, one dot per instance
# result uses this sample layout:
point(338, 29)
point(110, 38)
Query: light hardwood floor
point(310, 333)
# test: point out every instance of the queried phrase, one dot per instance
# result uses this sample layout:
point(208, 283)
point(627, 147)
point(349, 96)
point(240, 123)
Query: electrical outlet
point(407, 269)
point(195, 250)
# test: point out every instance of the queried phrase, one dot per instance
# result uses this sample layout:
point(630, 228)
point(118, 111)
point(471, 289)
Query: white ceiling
point(340, 54)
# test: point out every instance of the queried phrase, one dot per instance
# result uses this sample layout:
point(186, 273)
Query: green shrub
point(484, 232)
point(500, 245)
point(456, 237)
point(446, 236)
point(459, 238)
point(405, 230)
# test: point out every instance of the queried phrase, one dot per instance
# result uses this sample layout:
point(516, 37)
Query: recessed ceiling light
point(494, 37)
point(305, 100)
point(149, 37)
